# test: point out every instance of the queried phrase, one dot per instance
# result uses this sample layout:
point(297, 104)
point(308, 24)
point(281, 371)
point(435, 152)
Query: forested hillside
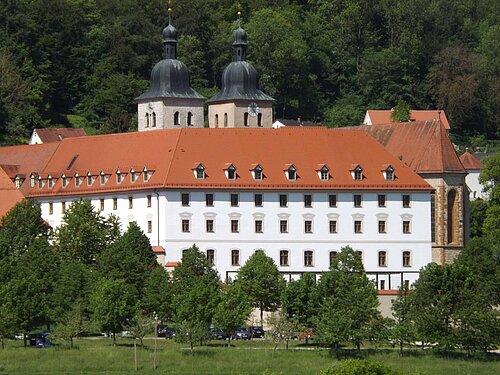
point(82, 62)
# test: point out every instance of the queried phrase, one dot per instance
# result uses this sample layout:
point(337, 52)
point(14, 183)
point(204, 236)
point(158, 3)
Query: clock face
point(253, 109)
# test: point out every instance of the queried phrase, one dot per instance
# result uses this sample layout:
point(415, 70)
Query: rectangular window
point(308, 258)
point(325, 175)
point(209, 200)
point(101, 202)
point(257, 198)
point(406, 259)
point(284, 258)
point(406, 201)
point(333, 257)
point(358, 175)
point(115, 203)
point(63, 206)
point(283, 226)
point(381, 226)
point(358, 227)
point(433, 218)
point(283, 200)
point(332, 199)
point(258, 226)
point(210, 226)
point(235, 200)
point(235, 257)
point(150, 226)
point(382, 284)
point(308, 200)
point(185, 199)
point(235, 226)
point(333, 226)
point(382, 259)
point(211, 257)
point(102, 178)
point(308, 226)
point(185, 225)
point(381, 200)
point(51, 208)
point(130, 203)
point(406, 226)
point(357, 200)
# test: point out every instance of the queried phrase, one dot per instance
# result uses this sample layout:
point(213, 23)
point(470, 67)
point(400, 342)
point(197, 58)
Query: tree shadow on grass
point(197, 352)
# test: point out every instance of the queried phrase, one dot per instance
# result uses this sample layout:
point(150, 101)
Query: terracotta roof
point(469, 161)
point(424, 146)
point(58, 134)
point(25, 159)
point(172, 264)
point(379, 117)
point(158, 249)
point(9, 195)
point(174, 152)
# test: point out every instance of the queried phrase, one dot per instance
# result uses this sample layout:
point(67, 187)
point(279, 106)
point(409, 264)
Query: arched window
point(176, 118)
point(245, 119)
point(225, 120)
point(154, 120)
point(452, 217)
point(216, 121)
point(259, 120)
point(147, 120)
point(190, 119)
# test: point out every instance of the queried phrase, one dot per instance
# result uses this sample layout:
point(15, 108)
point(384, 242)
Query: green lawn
point(99, 356)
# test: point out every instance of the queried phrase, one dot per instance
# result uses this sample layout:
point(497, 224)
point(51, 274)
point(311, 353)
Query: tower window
point(176, 118)
point(190, 119)
point(147, 120)
point(245, 119)
point(216, 121)
point(259, 120)
point(225, 120)
point(154, 120)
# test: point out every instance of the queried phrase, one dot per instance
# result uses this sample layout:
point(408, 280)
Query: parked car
point(39, 340)
point(257, 331)
point(241, 334)
point(167, 332)
point(127, 335)
point(215, 333)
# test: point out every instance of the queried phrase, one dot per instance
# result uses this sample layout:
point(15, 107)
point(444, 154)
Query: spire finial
point(169, 10)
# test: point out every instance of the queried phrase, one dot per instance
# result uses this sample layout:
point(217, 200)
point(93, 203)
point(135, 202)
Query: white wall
point(475, 187)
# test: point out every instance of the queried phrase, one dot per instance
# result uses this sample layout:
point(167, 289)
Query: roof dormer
point(357, 172)
point(291, 172)
point(257, 172)
point(199, 171)
point(231, 172)
point(146, 174)
point(388, 173)
point(323, 172)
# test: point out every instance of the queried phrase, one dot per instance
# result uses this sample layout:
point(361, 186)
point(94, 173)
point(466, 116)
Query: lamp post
point(155, 316)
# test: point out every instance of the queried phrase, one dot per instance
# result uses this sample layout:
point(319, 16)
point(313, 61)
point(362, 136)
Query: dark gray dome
point(170, 79)
point(169, 34)
point(239, 36)
point(239, 81)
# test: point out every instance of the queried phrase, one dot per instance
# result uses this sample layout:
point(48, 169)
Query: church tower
point(170, 102)
point(240, 103)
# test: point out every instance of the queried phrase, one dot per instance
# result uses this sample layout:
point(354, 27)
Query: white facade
point(475, 187)
point(161, 216)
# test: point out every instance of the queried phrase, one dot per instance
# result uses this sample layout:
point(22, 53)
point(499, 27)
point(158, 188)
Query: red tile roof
point(469, 161)
point(174, 152)
point(26, 159)
point(9, 195)
point(158, 249)
point(379, 117)
point(424, 146)
point(58, 134)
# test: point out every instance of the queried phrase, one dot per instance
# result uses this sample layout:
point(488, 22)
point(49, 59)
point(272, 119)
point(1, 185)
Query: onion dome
point(239, 79)
point(170, 77)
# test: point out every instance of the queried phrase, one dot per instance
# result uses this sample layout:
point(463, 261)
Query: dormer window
point(40, 183)
point(90, 179)
point(200, 172)
point(324, 173)
point(357, 173)
point(102, 178)
point(17, 182)
point(133, 176)
point(119, 177)
point(257, 173)
point(291, 173)
point(32, 180)
point(231, 172)
point(389, 173)
point(65, 181)
point(51, 182)
point(78, 180)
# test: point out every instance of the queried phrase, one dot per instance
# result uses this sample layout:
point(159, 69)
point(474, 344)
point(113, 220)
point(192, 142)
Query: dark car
point(167, 332)
point(241, 334)
point(257, 331)
point(217, 334)
point(40, 340)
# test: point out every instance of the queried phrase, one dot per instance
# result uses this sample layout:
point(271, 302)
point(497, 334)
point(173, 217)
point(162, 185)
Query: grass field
point(99, 356)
